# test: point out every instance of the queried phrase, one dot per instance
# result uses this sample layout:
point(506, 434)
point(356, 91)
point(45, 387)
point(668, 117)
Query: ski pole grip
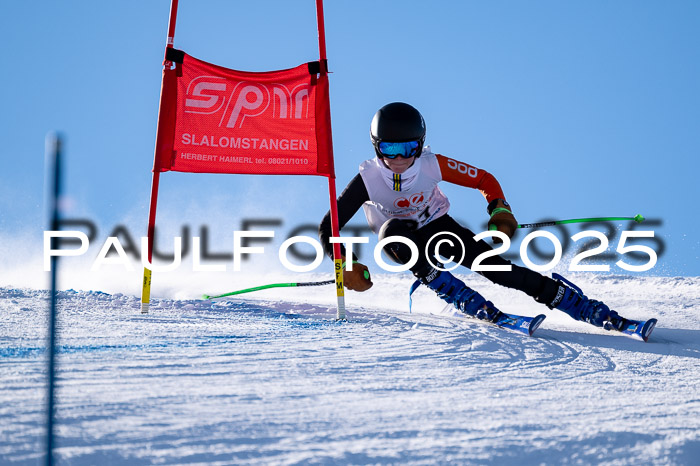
point(365, 273)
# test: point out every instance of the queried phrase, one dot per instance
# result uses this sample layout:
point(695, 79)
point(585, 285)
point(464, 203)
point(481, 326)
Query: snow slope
point(272, 378)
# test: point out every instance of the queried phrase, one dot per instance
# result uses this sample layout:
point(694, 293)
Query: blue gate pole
point(53, 177)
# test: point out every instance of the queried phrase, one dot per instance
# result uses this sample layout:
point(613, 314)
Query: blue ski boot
point(454, 291)
point(570, 299)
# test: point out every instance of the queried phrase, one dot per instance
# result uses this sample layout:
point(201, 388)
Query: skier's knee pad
point(399, 252)
point(397, 227)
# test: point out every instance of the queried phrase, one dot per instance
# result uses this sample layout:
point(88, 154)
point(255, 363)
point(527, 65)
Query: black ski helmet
point(397, 122)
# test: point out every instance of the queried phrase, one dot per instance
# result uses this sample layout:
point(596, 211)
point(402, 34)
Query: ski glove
point(358, 279)
point(501, 219)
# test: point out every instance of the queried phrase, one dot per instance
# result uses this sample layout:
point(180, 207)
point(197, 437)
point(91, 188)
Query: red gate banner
point(217, 120)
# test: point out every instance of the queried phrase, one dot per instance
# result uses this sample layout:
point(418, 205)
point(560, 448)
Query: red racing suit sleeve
point(459, 173)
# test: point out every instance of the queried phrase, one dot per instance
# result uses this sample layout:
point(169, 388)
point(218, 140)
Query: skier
point(399, 192)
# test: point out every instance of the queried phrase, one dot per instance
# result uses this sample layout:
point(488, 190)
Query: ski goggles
point(391, 150)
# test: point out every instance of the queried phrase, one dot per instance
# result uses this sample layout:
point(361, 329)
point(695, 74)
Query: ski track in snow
point(251, 381)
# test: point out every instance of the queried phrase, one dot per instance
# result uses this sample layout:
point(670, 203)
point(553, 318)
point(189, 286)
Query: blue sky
point(580, 109)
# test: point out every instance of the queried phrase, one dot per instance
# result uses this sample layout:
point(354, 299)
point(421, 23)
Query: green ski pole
point(277, 285)
point(265, 287)
point(637, 218)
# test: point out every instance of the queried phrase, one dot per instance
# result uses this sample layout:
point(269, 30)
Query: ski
point(639, 329)
point(522, 324)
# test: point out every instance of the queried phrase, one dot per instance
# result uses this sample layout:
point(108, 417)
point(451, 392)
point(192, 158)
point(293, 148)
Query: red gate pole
point(335, 231)
point(146, 285)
